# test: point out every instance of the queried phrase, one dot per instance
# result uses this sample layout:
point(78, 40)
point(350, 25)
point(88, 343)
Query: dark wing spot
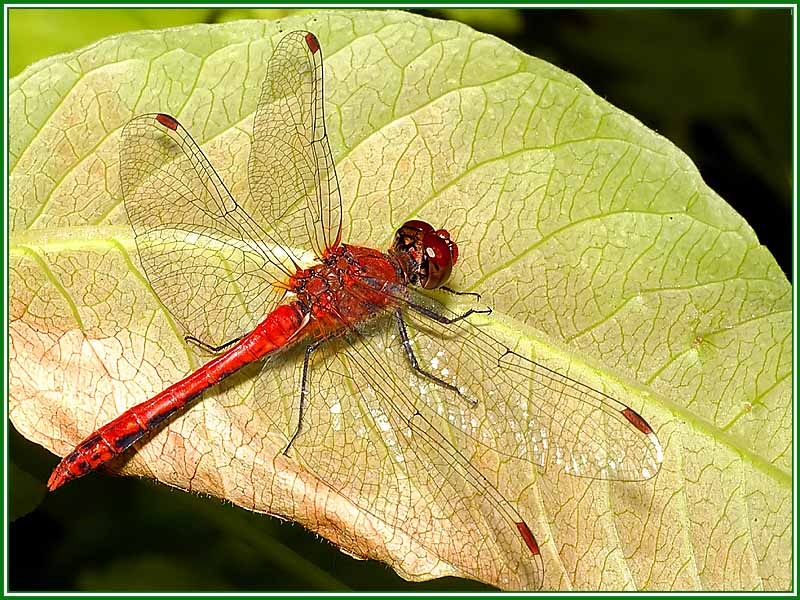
point(637, 421)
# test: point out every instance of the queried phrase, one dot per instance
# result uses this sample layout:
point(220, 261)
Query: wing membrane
point(535, 413)
point(291, 171)
point(401, 469)
point(212, 266)
point(396, 443)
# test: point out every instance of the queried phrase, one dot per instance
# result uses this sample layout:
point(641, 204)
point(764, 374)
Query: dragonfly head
point(431, 252)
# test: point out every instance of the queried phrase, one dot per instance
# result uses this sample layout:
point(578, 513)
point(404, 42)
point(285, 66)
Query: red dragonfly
point(429, 382)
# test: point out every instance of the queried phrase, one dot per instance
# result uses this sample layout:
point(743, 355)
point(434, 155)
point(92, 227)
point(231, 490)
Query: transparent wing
point(364, 437)
point(291, 171)
point(214, 268)
point(396, 443)
point(534, 413)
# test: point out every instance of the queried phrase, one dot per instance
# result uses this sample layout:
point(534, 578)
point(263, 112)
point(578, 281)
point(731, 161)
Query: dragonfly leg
point(209, 347)
point(432, 314)
point(412, 358)
point(475, 295)
point(303, 391)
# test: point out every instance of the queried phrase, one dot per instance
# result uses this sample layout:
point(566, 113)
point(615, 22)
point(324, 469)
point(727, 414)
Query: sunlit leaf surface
point(598, 244)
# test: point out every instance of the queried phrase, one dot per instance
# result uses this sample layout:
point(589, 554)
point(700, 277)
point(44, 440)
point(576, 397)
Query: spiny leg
point(303, 391)
point(475, 295)
point(208, 347)
point(432, 314)
point(401, 326)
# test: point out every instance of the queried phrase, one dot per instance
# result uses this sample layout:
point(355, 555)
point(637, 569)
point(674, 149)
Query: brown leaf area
point(209, 450)
point(88, 339)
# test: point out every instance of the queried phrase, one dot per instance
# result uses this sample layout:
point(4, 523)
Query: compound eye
point(416, 225)
point(408, 238)
point(437, 259)
point(443, 233)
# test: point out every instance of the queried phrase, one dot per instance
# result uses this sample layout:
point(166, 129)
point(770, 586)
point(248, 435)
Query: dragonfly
point(429, 386)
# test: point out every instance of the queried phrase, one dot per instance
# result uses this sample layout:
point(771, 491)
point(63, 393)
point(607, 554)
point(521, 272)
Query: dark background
point(715, 82)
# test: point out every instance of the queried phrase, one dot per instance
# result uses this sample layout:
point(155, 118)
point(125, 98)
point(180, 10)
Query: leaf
point(596, 241)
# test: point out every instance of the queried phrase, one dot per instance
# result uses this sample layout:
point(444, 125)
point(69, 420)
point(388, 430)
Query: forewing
point(533, 413)
point(213, 267)
point(363, 436)
point(291, 172)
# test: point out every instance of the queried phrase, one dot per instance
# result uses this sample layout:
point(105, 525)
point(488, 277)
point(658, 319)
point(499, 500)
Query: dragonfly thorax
point(426, 255)
point(347, 286)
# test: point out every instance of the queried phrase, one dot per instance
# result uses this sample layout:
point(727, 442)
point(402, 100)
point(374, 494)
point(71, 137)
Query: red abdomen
point(282, 326)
